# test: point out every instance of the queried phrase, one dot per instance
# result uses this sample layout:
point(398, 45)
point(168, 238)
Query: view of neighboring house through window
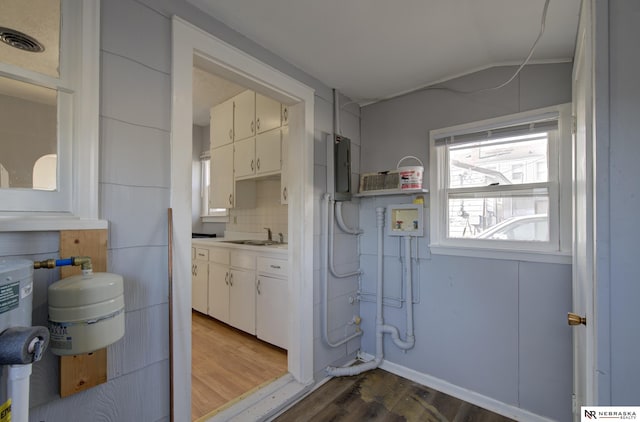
point(497, 183)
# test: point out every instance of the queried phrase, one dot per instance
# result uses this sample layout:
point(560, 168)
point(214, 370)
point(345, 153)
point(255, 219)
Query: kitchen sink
point(254, 242)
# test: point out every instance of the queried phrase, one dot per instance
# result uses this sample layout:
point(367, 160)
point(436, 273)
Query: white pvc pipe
point(325, 279)
point(18, 389)
point(381, 328)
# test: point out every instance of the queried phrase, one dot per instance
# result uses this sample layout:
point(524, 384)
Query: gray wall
point(623, 174)
point(134, 196)
point(495, 327)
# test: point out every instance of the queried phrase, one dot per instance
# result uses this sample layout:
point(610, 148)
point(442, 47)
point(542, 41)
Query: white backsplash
point(267, 213)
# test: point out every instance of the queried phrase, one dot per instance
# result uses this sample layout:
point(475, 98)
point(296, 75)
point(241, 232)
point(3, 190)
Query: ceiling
point(375, 49)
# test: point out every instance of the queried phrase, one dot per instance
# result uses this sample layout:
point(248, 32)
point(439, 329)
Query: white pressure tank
point(86, 313)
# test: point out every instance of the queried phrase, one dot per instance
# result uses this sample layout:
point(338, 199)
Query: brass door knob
point(575, 319)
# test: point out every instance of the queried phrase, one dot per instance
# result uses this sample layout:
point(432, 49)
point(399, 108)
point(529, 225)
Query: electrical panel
point(342, 167)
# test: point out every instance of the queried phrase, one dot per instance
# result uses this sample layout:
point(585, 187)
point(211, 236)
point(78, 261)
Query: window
point(502, 185)
point(208, 215)
point(49, 131)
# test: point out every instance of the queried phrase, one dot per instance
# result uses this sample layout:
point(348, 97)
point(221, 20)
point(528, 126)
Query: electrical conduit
point(325, 276)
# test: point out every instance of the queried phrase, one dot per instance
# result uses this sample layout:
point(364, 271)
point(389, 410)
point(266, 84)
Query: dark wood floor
point(227, 363)
point(381, 396)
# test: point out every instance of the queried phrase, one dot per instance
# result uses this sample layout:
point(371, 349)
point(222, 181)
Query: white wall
point(495, 327)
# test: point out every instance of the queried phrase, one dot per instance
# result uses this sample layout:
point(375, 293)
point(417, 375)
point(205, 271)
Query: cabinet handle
point(252, 126)
point(231, 279)
point(258, 286)
point(252, 165)
point(230, 199)
point(258, 164)
point(284, 193)
point(226, 279)
point(285, 114)
point(231, 134)
point(277, 267)
point(258, 123)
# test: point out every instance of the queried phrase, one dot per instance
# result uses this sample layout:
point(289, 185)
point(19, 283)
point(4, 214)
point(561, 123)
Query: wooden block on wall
point(80, 372)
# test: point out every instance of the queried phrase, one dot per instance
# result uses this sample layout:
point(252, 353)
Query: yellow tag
point(5, 411)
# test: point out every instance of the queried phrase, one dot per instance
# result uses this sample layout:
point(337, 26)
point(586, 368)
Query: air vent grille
point(19, 40)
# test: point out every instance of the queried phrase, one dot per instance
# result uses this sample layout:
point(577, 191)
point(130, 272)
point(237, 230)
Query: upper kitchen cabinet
point(224, 191)
point(221, 124)
point(268, 113)
point(244, 124)
point(259, 156)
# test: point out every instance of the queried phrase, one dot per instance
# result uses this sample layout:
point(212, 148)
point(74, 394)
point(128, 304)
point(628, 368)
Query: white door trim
point(232, 63)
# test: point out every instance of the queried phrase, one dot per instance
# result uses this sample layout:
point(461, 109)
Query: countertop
point(278, 248)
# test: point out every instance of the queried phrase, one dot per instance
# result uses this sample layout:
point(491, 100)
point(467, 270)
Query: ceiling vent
point(20, 41)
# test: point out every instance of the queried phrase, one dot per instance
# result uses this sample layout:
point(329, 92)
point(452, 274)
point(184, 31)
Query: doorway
point(237, 66)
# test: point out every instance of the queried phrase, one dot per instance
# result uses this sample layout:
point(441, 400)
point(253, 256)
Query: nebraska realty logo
point(625, 413)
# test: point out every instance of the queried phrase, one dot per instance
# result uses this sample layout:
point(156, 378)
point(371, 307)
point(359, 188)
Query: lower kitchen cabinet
point(245, 289)
point(199, 279)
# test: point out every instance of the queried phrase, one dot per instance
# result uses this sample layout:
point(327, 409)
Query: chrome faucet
point(269, 234)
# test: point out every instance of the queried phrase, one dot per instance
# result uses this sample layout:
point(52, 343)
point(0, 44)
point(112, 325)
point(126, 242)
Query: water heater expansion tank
point(86, 313)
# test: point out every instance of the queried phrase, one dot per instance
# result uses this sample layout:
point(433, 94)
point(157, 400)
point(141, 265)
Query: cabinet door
point(244, 124)
point(199, 285)
point(284, 170)
point(242, 300)
point(268, 152)
point(272, 324)
point(244, 161)
point(221, 174)
point(219, 291)
point(267, 113)
point(221, 124)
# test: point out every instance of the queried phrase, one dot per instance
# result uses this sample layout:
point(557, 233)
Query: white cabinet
point(219, 273)
point(224, 191)
point(221, 124)
point(258, 156)
point(244, 124)
point(199, 279)
point(284, 166)
point(272, 301)
point(268, 114)
point(242, 296)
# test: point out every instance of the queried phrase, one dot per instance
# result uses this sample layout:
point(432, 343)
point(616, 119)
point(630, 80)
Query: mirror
point(30, 35)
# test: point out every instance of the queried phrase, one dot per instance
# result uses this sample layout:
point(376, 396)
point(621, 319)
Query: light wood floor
point(383, 397)
point(226, 363)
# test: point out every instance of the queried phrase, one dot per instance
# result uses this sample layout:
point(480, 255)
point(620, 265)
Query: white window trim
point(206, 215)
point(78, 208)
point(558, 250)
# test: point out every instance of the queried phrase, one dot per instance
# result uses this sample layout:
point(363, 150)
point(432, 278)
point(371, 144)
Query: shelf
point(391, 192)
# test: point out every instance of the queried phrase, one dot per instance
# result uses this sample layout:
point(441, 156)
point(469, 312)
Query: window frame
point(209, 215)
point(75, 203)
point(559, 188)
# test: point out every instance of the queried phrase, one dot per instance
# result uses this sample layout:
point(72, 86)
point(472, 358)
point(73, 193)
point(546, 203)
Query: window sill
point(214, 219)
point(37, 223)
point(554, 257)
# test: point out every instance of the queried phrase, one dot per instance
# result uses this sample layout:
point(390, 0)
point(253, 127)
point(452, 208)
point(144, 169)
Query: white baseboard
point(461, 393)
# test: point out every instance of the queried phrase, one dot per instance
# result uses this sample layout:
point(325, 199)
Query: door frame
point(189, 43)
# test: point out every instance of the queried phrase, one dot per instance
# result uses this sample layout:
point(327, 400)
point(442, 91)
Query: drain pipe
point(390, 329)
point(325, 278)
